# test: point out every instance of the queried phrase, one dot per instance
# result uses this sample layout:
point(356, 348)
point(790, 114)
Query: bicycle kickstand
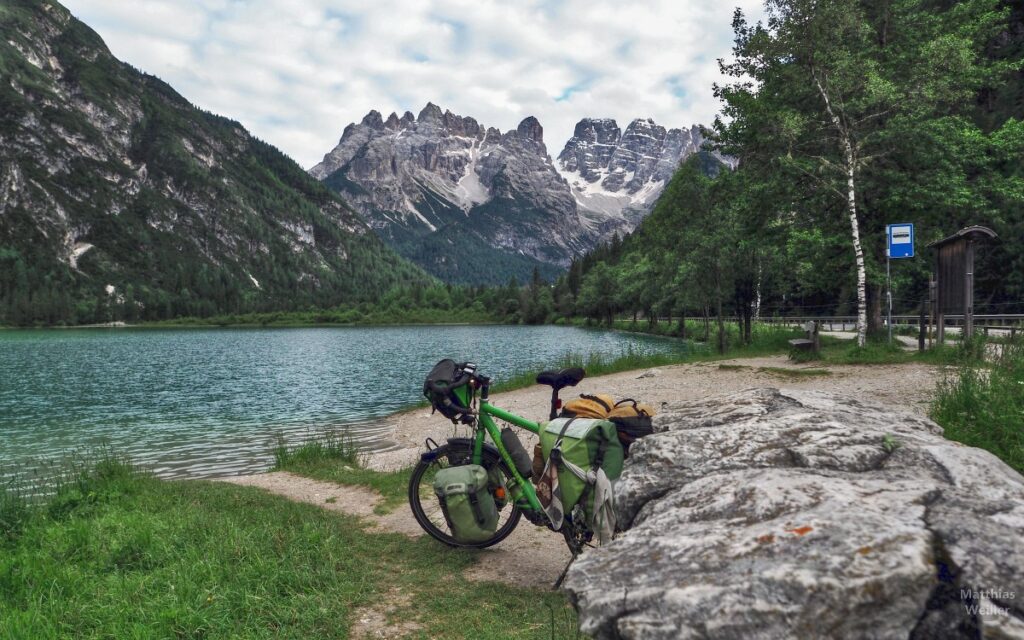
point(561, 577)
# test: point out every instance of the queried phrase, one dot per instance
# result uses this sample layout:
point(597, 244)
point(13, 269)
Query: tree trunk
point(857, 251)
point(851, 203)
point(682, 323)
point(850, 157)
point(757, 294)
point(707, 323)
point(721, 324)
point(876, 295)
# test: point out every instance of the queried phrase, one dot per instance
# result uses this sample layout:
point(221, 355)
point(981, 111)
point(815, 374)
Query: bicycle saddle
point(561, 378)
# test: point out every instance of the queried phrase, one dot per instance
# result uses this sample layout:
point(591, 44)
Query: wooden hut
point(954, 277)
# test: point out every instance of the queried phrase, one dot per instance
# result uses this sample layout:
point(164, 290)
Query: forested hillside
point(120, 200)
point(845, 116)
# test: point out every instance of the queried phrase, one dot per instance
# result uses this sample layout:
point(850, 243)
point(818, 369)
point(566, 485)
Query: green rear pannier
point(584, 440)
point(466, 502)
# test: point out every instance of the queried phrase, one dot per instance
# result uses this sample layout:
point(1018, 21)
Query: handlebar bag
point(466, 502)
point(586, 444)
point(447, 389)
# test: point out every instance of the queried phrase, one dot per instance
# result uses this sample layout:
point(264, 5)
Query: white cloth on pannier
point(603, 522)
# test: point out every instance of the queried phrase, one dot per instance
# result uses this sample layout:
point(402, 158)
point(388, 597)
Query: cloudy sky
point(295, 73)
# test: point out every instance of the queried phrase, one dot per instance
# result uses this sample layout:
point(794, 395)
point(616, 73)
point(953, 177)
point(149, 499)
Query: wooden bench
point(811, 342)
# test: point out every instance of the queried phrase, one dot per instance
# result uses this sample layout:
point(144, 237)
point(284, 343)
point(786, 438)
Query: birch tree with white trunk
point(829, 95)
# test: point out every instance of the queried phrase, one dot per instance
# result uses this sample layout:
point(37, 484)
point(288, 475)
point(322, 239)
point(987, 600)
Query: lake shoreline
point(213, 402)
point(160, 324)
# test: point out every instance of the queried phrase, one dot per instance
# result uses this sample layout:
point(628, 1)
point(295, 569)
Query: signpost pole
point(899, 244)
point(888, 291)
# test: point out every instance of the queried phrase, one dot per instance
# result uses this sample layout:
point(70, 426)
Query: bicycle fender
point(430, 456)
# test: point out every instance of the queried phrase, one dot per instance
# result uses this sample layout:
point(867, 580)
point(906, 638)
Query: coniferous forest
point(845, 117)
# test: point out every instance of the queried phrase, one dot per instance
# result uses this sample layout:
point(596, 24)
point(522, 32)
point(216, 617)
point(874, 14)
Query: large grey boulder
point(796, 514)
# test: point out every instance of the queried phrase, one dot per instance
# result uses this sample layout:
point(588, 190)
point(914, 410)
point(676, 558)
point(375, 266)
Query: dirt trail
point(532, 556)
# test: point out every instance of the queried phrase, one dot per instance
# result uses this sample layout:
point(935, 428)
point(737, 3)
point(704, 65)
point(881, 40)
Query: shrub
point(982, 403)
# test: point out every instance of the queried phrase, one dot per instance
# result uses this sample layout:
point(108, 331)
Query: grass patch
point(982, 403)
point(879, 351)
point(135, 557)
point(597, 364)
point(874, 352)
point(801, 356)
point(335, 446)
point(332, 457)
point(13, 512)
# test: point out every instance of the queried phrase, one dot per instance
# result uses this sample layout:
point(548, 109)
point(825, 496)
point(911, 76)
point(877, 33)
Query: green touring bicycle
point(472, 491)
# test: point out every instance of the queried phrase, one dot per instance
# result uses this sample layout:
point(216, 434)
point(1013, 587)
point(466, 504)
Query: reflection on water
point(200, 403)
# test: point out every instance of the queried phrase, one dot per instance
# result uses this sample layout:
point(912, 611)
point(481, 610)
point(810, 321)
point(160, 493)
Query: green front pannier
point(466, 502)
point(583, 441)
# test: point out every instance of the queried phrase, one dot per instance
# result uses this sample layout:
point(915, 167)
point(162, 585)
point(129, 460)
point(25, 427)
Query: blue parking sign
point(901, 240)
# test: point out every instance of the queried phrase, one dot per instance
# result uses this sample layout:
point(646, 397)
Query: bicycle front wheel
point(427, 509)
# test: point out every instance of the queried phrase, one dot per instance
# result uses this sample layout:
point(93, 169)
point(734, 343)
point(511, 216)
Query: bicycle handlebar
point(441, 388)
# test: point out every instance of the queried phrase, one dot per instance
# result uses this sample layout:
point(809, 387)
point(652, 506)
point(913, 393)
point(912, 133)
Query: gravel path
point(533, 556)
point(908, 386)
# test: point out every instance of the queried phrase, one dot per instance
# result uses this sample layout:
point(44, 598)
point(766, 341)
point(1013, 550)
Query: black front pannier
point(445, 388)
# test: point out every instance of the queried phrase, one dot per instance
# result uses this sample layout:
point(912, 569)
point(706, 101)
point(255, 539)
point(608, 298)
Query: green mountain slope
point(120, 200)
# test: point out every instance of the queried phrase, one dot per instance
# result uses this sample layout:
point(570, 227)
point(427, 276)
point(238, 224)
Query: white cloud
point(296, 73)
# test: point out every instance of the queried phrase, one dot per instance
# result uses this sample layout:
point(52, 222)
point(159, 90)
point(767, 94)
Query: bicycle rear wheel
point(427, 509)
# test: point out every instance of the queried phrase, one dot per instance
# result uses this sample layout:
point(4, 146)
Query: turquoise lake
point(202, 403)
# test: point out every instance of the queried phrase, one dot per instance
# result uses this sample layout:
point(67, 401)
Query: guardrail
point(994, 322)
point(987, 322)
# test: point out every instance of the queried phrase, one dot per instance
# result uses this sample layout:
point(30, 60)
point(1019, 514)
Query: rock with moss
point(771, 514)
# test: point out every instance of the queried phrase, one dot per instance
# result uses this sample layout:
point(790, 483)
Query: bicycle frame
point(485, 420)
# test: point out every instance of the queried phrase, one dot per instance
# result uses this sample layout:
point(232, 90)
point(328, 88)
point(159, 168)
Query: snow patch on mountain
point(616, 176)
point(469, 190)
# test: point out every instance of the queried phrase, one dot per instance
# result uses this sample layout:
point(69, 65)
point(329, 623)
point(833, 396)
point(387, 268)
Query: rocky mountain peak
point(431, 114)
point(599, 130)
point(493, 136)
point(593, 142)
point(373, 120)
point(616, 176)
point(419, 180)
point(460, 126)
point(530, 129)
